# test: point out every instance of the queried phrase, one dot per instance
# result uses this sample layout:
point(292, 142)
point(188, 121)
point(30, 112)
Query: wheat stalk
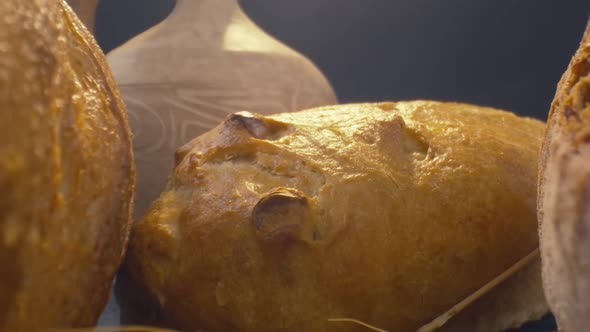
point(441, 320)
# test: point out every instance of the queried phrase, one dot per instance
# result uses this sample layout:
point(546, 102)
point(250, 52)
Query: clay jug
point(86, 11)
point(205, 61)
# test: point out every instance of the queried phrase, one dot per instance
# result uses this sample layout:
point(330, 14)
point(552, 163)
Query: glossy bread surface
point(386, 213)
point(66, 170)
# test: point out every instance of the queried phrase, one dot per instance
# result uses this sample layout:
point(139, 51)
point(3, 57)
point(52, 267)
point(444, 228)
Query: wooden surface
point(205, 61)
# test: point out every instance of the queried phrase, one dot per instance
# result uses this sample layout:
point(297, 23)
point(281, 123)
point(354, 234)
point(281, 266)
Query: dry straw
point(441, 320)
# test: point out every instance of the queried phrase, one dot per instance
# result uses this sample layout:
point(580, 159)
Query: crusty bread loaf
point(66, 170)
point(386, 213)
point(564, 197)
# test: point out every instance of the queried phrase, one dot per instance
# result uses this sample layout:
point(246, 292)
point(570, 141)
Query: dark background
point(505, 53)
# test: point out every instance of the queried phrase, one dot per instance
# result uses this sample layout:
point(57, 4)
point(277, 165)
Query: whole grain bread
point(564, 196)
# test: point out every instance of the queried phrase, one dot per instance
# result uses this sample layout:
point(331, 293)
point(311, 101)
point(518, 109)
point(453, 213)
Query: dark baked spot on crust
point(280, 215)
point(582, 68)
point(569, 113)
point(258, 126)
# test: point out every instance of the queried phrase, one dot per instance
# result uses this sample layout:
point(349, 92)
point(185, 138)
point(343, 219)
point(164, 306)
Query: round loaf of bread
point(564, 197)
point(66, 170)
point(385, 213)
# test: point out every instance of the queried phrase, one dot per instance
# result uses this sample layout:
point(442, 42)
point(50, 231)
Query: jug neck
point(207, 13)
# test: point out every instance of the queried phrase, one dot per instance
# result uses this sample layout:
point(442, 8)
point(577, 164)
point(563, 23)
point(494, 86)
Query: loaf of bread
point(66, 170)
point(385, 213)
point(564, 196)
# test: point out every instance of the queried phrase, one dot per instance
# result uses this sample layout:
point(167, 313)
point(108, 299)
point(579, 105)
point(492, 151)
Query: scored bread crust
point(66, 170)
point(386, 213)
point(564, 196)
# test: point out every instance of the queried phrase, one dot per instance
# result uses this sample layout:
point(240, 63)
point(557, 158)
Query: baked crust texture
point(388, 213)
point(66, 170)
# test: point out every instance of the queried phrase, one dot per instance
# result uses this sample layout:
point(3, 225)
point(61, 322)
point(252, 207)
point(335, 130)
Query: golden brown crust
point(564, 196)
point(387, 213)
point(66, 170)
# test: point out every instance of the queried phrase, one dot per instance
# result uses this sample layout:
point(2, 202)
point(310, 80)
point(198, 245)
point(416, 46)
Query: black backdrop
point(504, 53)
